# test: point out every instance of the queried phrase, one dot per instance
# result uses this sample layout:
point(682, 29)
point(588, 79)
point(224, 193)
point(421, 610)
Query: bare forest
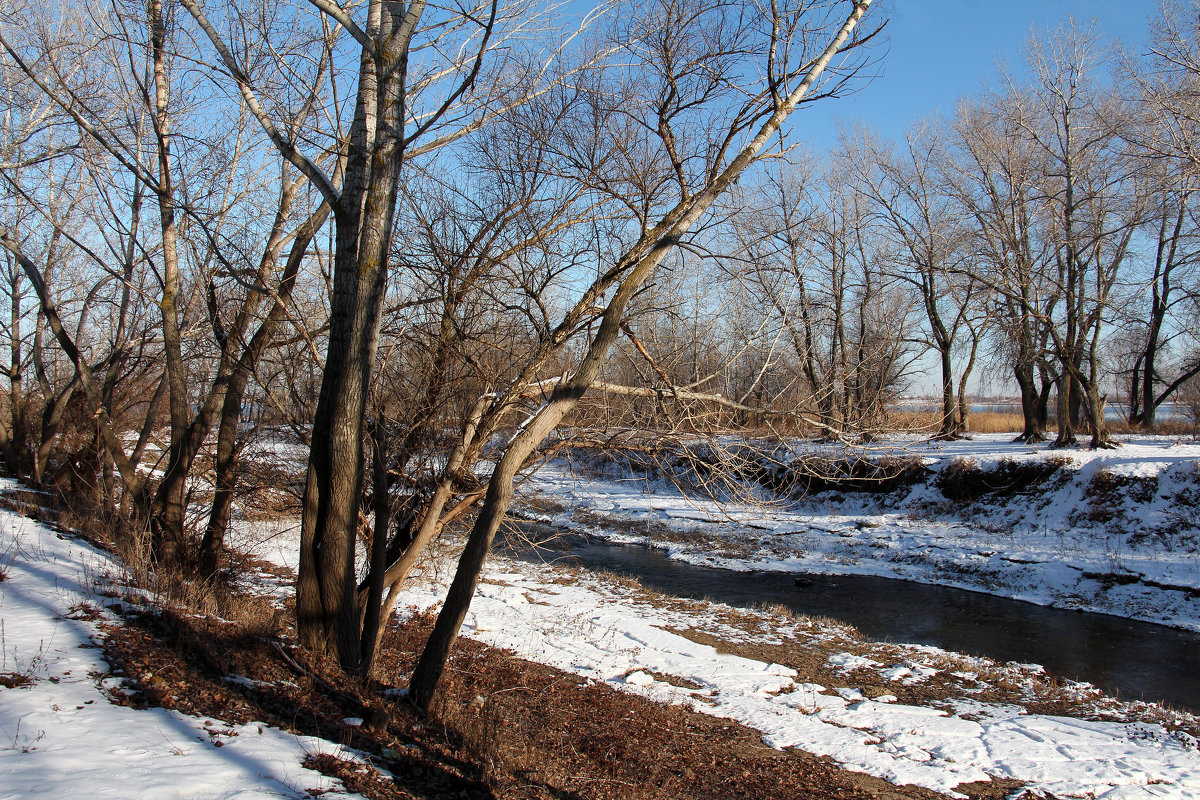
point(434, 245)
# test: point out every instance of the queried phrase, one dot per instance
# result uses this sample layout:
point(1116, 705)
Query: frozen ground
point(613, 634)
point(1116, 531)
point(59, 735)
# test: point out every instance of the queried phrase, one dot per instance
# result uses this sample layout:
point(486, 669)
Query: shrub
point(1106, 493)
point(963, 480)
point(815, 474)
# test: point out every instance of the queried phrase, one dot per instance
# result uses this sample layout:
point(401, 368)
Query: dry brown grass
point(927, 422)
point(502, 728)
point(1013, 422)
point(141, 580)
point(913, 421)
point(1176, 427)
point(995, 422)
point(15, 680)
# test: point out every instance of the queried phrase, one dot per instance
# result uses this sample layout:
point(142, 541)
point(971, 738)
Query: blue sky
point(941, 50)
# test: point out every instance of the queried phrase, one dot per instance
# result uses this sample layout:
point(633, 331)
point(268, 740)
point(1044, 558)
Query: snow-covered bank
point(59, 734)
point(636, 641)
point(613, 633)
point(1116, 531)
point(620, 635)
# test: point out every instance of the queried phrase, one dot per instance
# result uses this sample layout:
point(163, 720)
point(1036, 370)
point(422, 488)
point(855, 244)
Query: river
point(1134, 660)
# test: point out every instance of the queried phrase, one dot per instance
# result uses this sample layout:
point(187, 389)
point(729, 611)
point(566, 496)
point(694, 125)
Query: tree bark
point(635, 267)
point(326, 592)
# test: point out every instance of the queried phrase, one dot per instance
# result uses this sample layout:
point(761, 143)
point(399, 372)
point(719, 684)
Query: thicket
point(518, 223)
point(963, 480)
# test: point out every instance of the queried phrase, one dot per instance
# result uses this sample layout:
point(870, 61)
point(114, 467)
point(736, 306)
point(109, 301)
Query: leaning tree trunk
point(228, 451)
point(964, 408)
point(635, 268)
point(16, 441)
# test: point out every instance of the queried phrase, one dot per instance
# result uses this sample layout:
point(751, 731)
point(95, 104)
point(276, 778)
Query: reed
point(995, 422)
point(978, 422)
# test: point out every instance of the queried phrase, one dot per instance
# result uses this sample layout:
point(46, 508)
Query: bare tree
point(1160, 319)
point(1055, 211)
point(26, 145)
point(507, 304)
point(1092, 210)
point(1165, 84)
point(929, 238)
point(811, 255)
point(214, 209)
point(1163, 89)
point(688, 128)
point(994, 175)
point(424, 77)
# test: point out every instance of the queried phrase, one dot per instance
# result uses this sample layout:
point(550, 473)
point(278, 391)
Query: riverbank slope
point(1114, 531)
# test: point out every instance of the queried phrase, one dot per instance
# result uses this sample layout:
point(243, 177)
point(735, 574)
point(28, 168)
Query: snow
point(607, 633)
point(61, 737)
point(1041, 547)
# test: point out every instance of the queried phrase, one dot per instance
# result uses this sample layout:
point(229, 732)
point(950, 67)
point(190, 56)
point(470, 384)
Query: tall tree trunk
point(1096, 411)
point(1034, 430)
point(1066, 428)
point(1160, 298)
point(1134, 417)
point(167, 510)
point(16, 449)
point(1043, 402)
point(326, 591)
point(950, 427)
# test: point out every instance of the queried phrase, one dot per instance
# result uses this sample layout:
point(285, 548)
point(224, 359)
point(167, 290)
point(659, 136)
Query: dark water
point(1135, 660)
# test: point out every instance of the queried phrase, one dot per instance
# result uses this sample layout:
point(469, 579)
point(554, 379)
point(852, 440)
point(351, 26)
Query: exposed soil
point(502, 727)
point(957, 677)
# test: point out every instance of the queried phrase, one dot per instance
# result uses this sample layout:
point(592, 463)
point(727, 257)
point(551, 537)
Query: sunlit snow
point(61, 736)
